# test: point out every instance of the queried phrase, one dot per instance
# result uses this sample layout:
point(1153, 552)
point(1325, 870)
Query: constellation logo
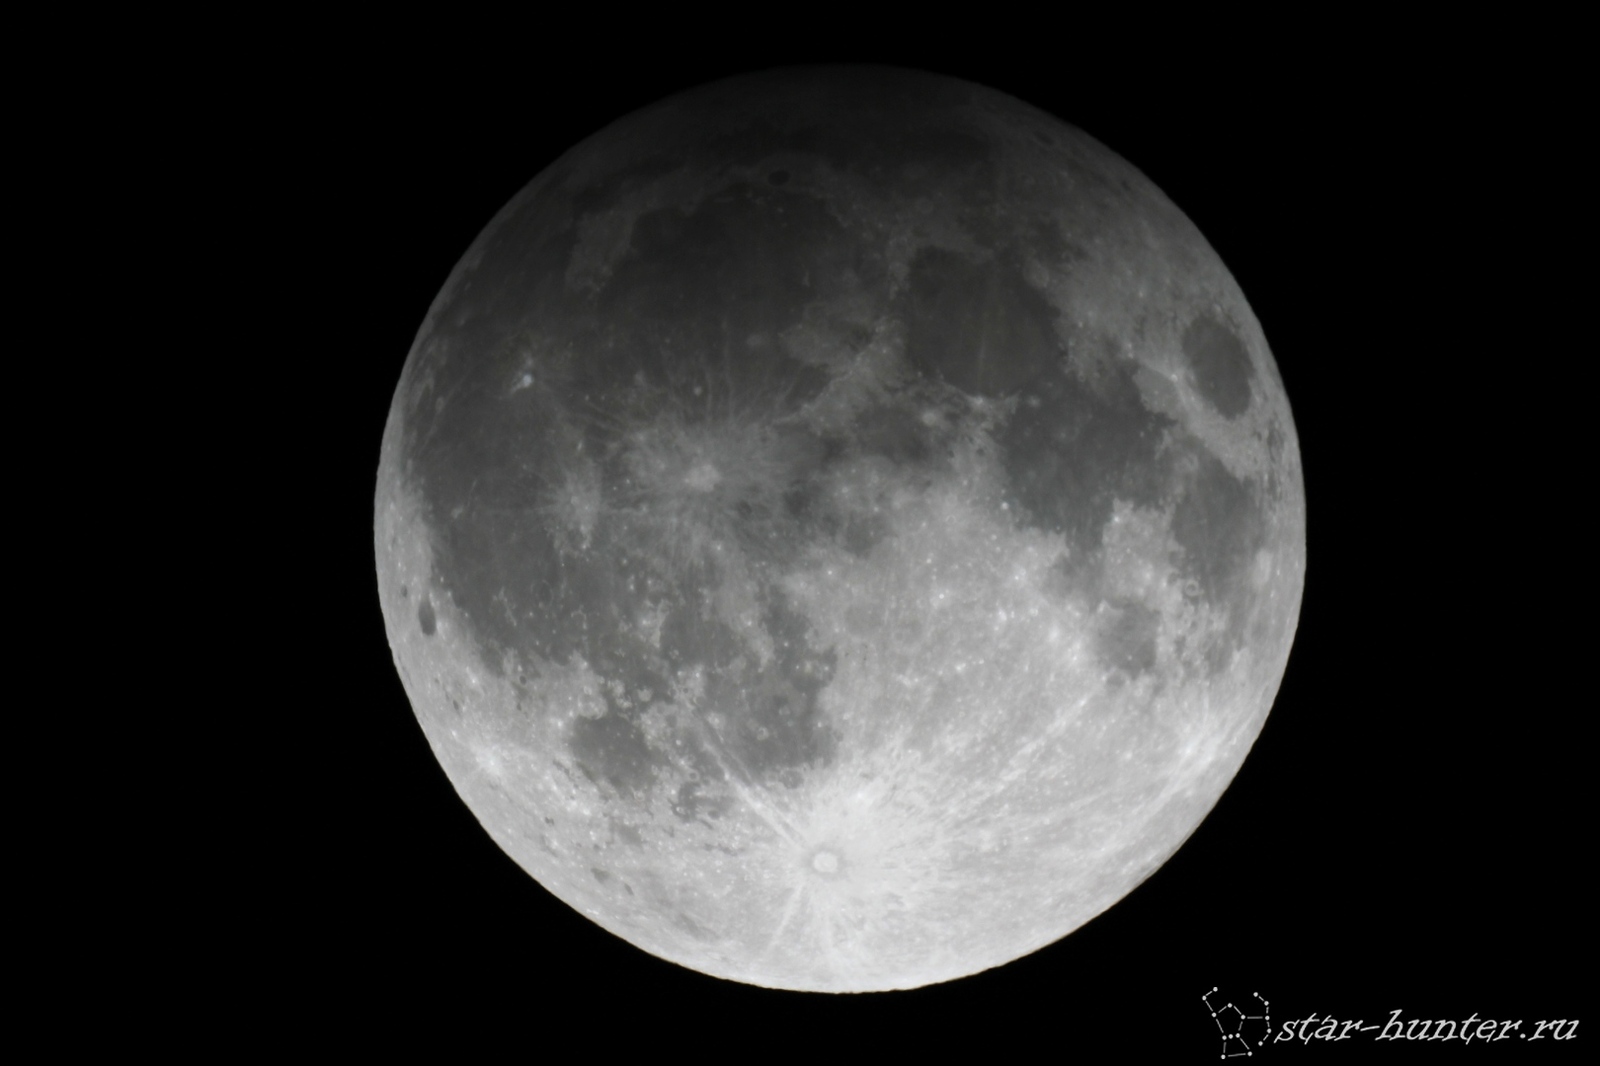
point(1243, 1028)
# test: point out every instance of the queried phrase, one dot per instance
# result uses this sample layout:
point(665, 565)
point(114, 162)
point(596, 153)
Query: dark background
point(1406, 832)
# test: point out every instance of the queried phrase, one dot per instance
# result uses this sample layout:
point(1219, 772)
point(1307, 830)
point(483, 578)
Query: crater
point(702, 477)
point(1222, 368)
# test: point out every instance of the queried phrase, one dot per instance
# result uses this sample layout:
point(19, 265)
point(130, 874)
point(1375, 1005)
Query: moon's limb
point(840, 555)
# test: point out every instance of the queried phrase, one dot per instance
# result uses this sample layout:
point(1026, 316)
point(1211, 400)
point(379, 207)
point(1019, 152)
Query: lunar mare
point(840, 529)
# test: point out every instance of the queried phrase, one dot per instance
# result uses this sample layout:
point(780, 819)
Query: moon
point(840, 529)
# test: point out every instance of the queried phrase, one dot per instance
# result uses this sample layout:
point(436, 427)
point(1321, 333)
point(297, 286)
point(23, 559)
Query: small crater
point(778, 177)
point(702, 477)
point(825, 862)
point(425, 617)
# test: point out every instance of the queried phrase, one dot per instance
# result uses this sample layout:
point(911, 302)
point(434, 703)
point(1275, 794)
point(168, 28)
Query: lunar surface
point(840, 529)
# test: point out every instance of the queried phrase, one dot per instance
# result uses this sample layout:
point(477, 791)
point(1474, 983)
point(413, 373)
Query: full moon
point(840, 529)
